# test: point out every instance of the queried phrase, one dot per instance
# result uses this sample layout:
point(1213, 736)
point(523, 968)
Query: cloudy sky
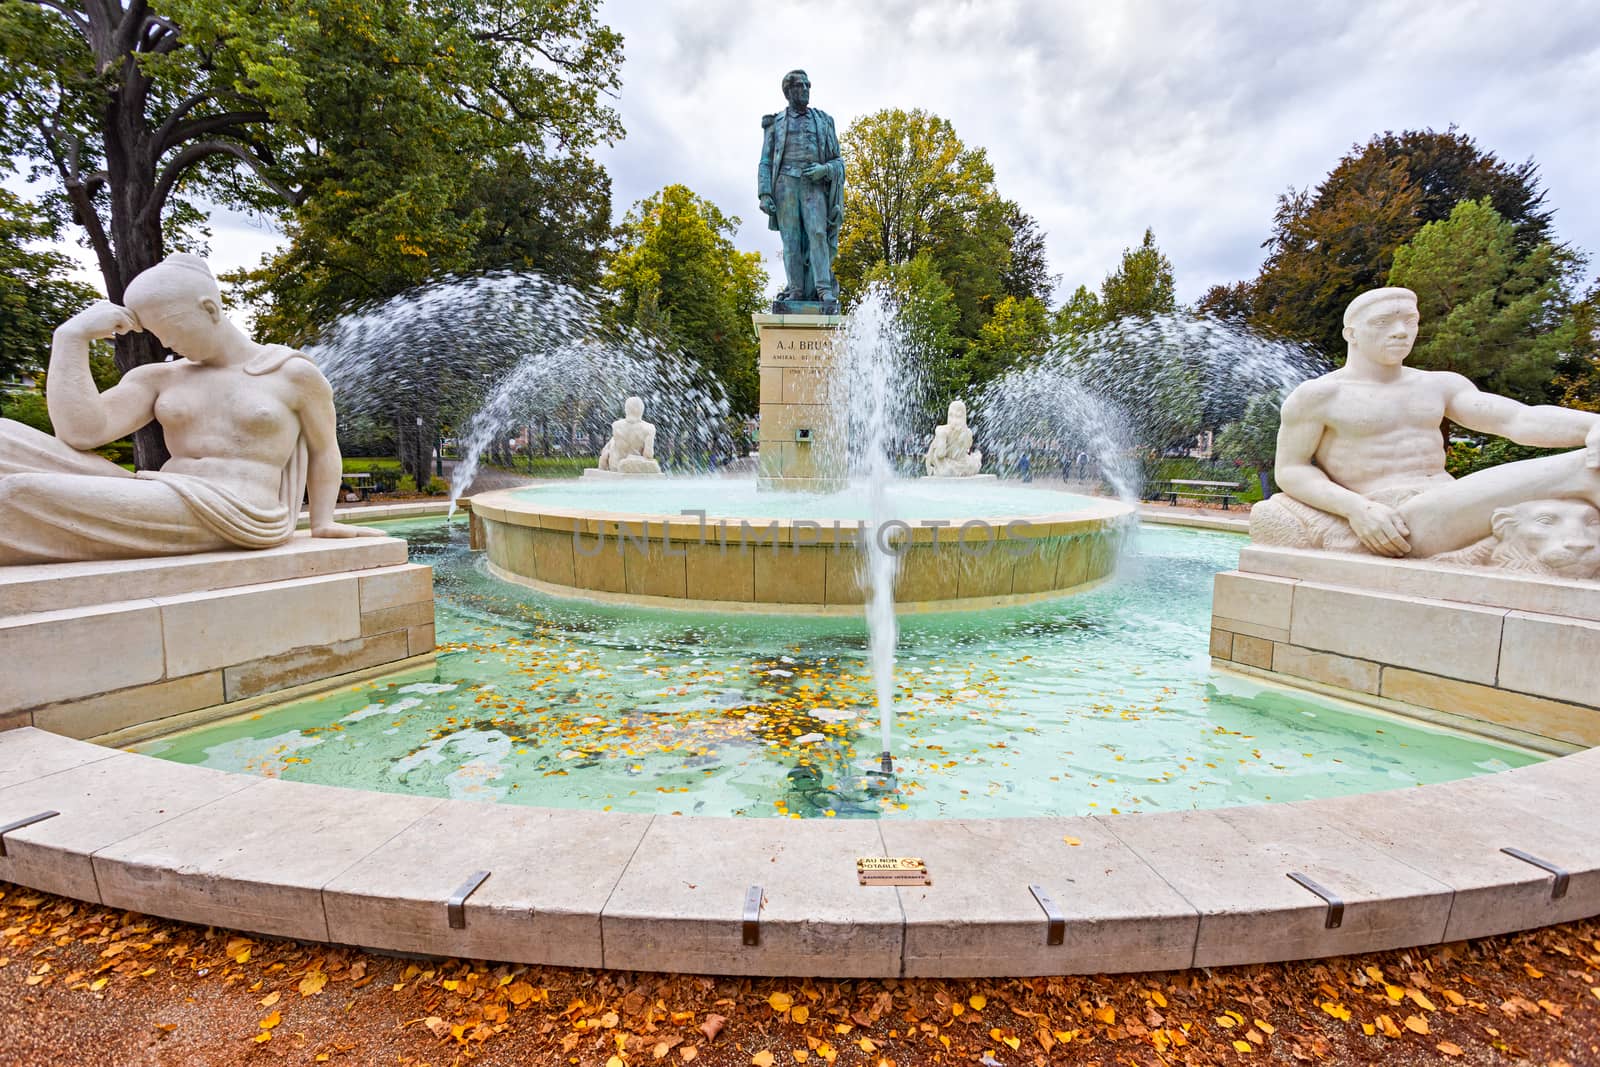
point(1104, 118)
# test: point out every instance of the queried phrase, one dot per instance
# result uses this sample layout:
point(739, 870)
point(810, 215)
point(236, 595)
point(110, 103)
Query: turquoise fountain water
point(1096, 703)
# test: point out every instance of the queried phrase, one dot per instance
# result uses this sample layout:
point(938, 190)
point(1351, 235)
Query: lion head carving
point(1554, 537)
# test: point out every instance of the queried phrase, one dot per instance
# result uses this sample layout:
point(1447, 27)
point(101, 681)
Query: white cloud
point(1102, 119)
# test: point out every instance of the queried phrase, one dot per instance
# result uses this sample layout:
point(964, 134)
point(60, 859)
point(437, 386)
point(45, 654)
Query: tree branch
point(79, 21)
point(201, 150)
point(172, 135)
point(80, 194)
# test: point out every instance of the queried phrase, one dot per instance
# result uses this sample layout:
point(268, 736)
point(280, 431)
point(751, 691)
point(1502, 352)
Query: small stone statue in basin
point(1361, 460)
point(800, 185)
point(250, 429)
point(951, 454)
point(632, 448)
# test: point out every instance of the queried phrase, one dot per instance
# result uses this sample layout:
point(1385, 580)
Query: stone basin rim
point(1152, 891)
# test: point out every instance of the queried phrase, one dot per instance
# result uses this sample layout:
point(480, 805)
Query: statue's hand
point(1591, 444)
point(1381, 528)
point(768, 205)
point(818, 171)
point(339, 529)
point(99, 320)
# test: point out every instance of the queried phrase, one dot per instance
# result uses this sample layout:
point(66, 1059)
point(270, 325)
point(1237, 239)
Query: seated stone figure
point(632, 448)
point(951, 454)
point(250, 429)
point(1361, 458)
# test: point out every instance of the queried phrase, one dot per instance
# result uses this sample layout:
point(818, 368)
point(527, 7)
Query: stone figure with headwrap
point(250, 428)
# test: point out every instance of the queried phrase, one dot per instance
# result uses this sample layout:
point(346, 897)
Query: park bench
point(361, 482)
point(1198, 489)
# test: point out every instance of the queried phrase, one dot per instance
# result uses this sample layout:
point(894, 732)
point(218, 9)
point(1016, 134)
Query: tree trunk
point(135, 228)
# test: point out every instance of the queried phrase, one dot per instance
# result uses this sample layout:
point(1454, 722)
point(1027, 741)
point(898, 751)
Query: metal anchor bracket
point(456, 906)
point(20, 823)
point(1335, 903)
point(752, 915)
point(1055, 931)
point(1557, 890)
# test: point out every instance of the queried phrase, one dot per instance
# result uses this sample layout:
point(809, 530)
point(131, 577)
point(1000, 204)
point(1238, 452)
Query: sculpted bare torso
point(1364, 442)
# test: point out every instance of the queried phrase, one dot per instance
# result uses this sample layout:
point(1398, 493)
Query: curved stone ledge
point(582, 888)
point(793, 565)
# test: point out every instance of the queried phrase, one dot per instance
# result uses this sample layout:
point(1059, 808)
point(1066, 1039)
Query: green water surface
point(1097, 703)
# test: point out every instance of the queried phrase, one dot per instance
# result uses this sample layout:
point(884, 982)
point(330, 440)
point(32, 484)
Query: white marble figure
point(1559, 538)
point(632, 448)
point(250, 429)
point(951, 454)
point(1361, 459)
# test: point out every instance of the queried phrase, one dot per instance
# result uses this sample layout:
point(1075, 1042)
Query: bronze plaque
point(892, 870)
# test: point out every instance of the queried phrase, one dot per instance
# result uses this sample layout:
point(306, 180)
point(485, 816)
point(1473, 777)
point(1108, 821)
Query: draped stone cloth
point(58, 504)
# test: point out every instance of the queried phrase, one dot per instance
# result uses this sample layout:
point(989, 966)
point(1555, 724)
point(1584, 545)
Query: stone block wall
point(1482, 647)
point(197, 633)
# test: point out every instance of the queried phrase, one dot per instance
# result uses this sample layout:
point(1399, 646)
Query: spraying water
point(883, 394)
point(1136, 387)
point(497, 356)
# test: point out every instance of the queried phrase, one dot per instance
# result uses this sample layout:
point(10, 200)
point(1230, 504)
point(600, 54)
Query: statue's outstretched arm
point(1542, 426)
point(324, 467)
point(82, 416)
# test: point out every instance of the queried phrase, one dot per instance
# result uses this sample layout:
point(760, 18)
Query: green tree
point(368, 114)
point(1141, 285)
point(1330, 244)
point(36, 295)
point(1027, 271)
point(913, 186)
point(676, 273)
point(1503, 321)
point(1017, 333)
point(928, 309)
point(1080, 314)
point(1253, 440)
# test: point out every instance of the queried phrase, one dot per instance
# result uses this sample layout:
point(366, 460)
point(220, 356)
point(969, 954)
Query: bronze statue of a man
point(801, 186)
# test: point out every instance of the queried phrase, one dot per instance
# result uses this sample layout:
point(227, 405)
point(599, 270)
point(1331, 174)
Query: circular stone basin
point(722, 544)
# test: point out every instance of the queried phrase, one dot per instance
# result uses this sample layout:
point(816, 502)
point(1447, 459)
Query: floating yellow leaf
point(1155, 995)
point(616, 1061)
point(866, 1045)
point(1011, 1042)
point(800, 1055)
point(271, 1021)
point(1107, 1014)
point(1226, 1022)
point(780, 1002)
point(1368, 1029)
point(957, 1008)
point(1416, 1024)
point(263, 1037)
point(977, 1000)
point(1420, 1001)
point(98, 984)
point(800, 1014)
point(1338, 1011)
point(312, 984)
point(1454, 998)
point(1242, 1046)
point(1374, 974)
point(689, 1052)
point(763, 1059)
point(1533, 972)
point(1265, 1027)
point(1449, 1048)
point(1388, 1027)
point(270, 999)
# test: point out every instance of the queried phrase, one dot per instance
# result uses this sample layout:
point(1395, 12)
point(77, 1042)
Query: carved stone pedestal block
point(802, 445)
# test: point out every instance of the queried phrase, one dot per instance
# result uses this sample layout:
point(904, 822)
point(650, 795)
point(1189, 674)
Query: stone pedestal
point(1508, 655)
point(88, 649)
point(802, 443)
